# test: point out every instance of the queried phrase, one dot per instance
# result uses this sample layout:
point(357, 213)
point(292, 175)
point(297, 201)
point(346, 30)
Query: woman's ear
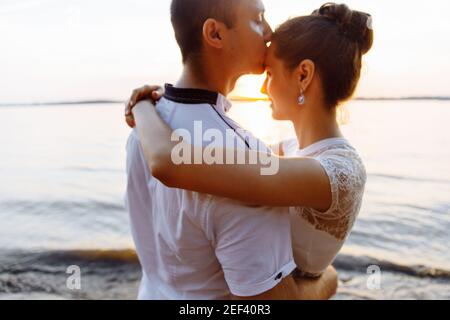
point(304, 73)
point(213, 33)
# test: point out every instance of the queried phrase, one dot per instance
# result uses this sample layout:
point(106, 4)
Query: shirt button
point(279, 276)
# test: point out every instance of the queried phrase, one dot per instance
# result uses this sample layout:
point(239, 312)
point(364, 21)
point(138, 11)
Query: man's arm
point(300, 288)
point(285, 290)
point(323, 288)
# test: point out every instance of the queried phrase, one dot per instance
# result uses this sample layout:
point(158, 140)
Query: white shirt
point(196, 246)
point(315, 243)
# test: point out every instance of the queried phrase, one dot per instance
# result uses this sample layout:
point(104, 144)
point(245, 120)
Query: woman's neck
point(316, 124)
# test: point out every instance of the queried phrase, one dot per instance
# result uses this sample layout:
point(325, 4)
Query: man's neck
point(212, 80)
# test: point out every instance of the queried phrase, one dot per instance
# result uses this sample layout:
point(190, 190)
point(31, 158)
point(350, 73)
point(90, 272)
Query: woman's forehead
point(270, 55)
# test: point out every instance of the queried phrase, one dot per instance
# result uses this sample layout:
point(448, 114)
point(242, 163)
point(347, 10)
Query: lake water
point(62, 182)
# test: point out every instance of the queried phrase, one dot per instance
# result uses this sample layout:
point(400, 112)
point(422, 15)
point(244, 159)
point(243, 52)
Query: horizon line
point(235, 98)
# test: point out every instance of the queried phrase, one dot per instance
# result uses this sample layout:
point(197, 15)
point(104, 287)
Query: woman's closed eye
point(260, 18)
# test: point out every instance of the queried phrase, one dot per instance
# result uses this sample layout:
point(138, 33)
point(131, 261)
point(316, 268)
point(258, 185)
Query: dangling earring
point(302, 98)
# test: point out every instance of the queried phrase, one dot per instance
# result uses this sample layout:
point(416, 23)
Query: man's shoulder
point(133, 142)
point(185, 112)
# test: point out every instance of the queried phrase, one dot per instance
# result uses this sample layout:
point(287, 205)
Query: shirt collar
point(197, 96)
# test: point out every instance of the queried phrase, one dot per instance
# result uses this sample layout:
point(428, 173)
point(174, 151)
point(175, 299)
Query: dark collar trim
point(190, 96)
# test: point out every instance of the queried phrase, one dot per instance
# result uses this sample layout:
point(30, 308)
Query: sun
point(249, 88)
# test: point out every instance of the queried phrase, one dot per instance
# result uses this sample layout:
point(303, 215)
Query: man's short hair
point(188, 17)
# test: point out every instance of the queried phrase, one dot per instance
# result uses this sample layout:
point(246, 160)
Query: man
point(195, 246)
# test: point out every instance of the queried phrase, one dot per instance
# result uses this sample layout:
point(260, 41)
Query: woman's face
point(281, 87)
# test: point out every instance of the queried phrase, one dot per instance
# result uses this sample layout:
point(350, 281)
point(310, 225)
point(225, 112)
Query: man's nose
point(268, 33)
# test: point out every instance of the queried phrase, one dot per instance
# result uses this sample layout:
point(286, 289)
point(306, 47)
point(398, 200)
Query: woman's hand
point(152, 93)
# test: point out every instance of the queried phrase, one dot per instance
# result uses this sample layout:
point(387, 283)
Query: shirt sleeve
point(253, 246)
point(137, 198)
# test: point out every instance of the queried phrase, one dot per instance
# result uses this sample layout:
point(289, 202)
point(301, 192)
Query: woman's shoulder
point(336, 154)
point(342, 155)
point(346, 172)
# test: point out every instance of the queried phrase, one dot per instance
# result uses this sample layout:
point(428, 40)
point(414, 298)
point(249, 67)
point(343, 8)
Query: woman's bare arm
point(297, 182)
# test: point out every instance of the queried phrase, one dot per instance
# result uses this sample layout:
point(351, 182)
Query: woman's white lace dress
point(317, 237)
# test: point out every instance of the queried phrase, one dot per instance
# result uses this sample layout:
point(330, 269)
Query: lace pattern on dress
point(347, 176)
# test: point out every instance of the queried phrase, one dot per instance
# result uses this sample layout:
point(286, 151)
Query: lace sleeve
point(347, 177)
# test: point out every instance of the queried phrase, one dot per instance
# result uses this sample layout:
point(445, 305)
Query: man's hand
point(295, 287)
point(322, 288)
point(152, 93)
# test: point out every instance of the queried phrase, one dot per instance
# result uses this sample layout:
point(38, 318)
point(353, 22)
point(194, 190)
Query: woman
point(313, 65)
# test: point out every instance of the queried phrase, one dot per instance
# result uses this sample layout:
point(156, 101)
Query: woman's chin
point(275, 112)
point(280, 117)
point(275, 116)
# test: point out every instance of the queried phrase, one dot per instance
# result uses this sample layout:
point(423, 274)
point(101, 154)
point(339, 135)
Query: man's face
point(249, 38)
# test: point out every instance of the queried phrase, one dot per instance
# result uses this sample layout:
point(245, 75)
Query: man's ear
point(304, 73)
point(213, 33)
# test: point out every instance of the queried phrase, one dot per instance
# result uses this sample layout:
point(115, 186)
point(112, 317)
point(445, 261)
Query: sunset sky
point(71, 50)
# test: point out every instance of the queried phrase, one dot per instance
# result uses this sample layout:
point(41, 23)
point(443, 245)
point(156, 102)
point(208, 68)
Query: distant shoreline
point(236, 99)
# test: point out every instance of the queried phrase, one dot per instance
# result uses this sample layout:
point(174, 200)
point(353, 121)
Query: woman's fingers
point(127, 108)
point(144, 93)
point(129, 119)
point(157, 94)
point(153, 93)
point(137, 93)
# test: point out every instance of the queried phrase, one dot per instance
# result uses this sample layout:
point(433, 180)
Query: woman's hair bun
point(356, 25)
